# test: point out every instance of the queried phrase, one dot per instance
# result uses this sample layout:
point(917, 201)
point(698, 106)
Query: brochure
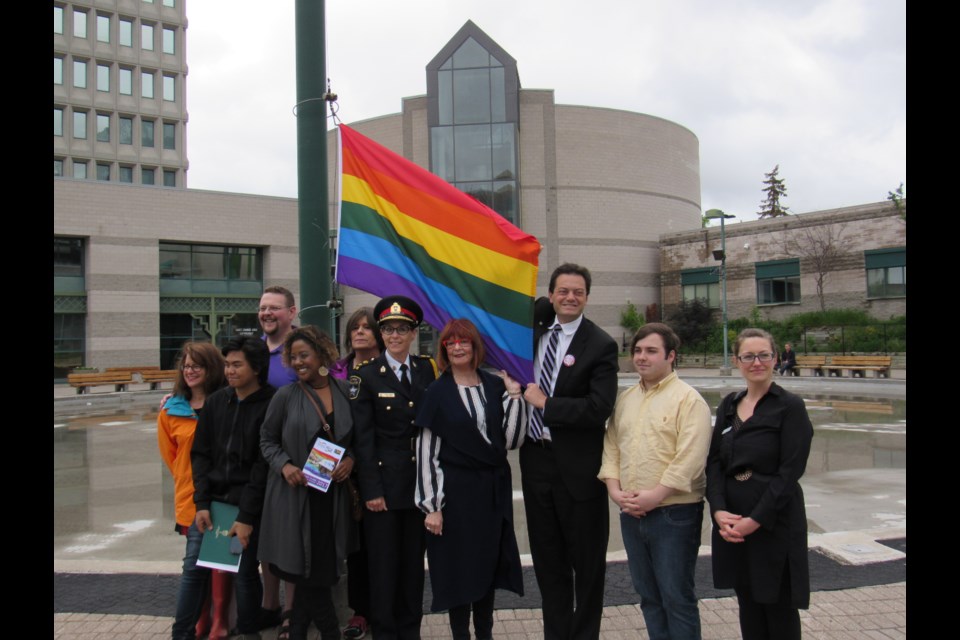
point(323, 459)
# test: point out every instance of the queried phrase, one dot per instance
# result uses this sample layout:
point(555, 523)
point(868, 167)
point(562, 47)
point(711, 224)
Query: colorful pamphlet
point(215, 550)
point(323, 459)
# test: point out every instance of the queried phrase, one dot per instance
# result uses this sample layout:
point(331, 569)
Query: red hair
point(465, 330)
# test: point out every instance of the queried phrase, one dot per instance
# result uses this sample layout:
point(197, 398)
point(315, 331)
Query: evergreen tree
point(775, 189)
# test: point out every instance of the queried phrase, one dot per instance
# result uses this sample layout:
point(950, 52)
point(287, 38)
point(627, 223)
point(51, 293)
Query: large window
point(126, 81)
point(68, 343)
point(126, 32)
point(886, 272)
point(194, 268)
point(79, 24)
point(126, 130)
point(80, 74)
point(169, 135)
point(103, 77)
point(103, 28)
point(169, 40)
point(58, 20)
point(146, 133)
point(67, 263)
point(80, 125)
point(701, 284)
point(169, 82)
point(778, 282)
point(146, 37)
point(146, 84)
point(103, 127)
point(473, 137)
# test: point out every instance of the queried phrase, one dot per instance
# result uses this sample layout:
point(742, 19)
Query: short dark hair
point(671, 341)
point(753, 333)
point(460, 328)
point(283, 291)
point(254, 350)
point(207, 356)
point(318, 340)
point(569, 268)
point(354, 322)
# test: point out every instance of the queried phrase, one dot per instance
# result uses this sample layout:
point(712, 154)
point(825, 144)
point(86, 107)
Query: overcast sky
point(816, 87)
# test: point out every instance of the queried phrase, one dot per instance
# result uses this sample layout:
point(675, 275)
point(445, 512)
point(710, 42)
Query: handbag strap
point(316, 405)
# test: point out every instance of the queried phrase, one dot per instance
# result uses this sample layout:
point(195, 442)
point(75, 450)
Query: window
point(146, 133)
point(57, 167)
point(58, 70)
point(103, 127)
point(80, 169)
point(68, 328)
point(169, 40)
point(126, 32)
point(168, 85)
point(778, 282)
point(126, 130)
point(146, 84)
point(147, 175)
point(886, 272)
point(80, 125)
point(80, 74)
point(146, 37)
point(193, 268)
point(103, 28)
point(103, 77)
point(57, 121)
point(169, 178)
point(79, 24)
point(169, 135)
point(169, 3)
point(126, 174)
point(701, 284)
point(126, 81)
point(103, 171)
point(58, 20)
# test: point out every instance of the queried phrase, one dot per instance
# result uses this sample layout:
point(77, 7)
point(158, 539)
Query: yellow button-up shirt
point(659, 435)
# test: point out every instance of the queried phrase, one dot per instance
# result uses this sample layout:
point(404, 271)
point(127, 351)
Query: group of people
point(425, 472)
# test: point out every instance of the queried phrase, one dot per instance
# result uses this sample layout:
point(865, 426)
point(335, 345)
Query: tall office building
point(119, 85)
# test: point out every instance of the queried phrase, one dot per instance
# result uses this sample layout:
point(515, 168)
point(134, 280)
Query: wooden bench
point(83, 381)
point(814, 363)
point(158, 376)
point(859, 365)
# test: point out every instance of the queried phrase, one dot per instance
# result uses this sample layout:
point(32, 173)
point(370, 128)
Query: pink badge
point(568, 360)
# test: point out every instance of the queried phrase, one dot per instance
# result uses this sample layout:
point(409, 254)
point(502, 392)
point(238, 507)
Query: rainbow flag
point(405, 231)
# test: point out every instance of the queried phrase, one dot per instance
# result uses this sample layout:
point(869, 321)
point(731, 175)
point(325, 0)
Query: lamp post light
point(714, 214)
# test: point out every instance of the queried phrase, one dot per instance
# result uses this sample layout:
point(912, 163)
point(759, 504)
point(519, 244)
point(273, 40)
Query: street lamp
point(714, 214)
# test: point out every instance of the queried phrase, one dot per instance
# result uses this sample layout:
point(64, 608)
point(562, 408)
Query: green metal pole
point(314, 222)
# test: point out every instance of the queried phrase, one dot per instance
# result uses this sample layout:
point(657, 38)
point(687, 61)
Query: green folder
point(215, 548)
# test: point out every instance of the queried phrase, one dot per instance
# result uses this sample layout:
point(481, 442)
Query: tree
point(692, 320)
point(775, 189)
point(896, 197)
point(630, 318)
point(821, 247)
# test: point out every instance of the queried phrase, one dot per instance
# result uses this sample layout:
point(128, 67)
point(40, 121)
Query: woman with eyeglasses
point(758, 453)
point(199, 373)
point(469, 418)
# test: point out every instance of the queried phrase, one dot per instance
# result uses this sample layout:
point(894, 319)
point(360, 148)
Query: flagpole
point(312, 203)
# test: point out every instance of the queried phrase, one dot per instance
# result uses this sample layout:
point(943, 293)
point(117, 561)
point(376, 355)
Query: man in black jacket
point(228, 466)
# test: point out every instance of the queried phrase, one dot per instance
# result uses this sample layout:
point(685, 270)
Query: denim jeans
point(662, 554)
point(193, 587)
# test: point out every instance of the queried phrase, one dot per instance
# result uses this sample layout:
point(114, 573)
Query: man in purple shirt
point(276, 315)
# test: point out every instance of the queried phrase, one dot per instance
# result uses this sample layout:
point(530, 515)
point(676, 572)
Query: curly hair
point(318, 340)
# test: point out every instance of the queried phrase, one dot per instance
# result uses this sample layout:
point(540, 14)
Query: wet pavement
point(113, 515)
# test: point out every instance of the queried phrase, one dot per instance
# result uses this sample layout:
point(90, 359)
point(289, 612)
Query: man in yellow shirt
point(654, 455)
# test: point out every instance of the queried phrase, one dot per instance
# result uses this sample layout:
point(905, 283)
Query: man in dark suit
point(385, 395)
point(566, 505)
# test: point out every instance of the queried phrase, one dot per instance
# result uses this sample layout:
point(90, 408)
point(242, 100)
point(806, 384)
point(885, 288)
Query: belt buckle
point(744, 475)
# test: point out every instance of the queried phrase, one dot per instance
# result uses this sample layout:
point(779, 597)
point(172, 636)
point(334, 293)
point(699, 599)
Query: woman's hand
point(513, 387)
point(293, 475)
point(343, 469)
point(377, 504)
point(745, 527)
point(434, 523)
point(726, 523)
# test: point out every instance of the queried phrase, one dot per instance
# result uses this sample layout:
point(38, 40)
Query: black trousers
point(482, 619)
point(568, 542)
point(776, 621)
point(395, 550)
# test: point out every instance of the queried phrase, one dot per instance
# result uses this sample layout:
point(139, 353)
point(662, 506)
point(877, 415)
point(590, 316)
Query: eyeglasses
point(191, 367)
point(748, 358)
point(272, 309)
point(458, 342)
point(399, 330)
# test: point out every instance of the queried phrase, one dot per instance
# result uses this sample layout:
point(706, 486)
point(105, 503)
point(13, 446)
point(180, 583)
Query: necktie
point(546, 375)
point(404, 378)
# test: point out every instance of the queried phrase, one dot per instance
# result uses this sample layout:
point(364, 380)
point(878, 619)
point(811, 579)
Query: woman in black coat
point(469, 419)
point(758, 453)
